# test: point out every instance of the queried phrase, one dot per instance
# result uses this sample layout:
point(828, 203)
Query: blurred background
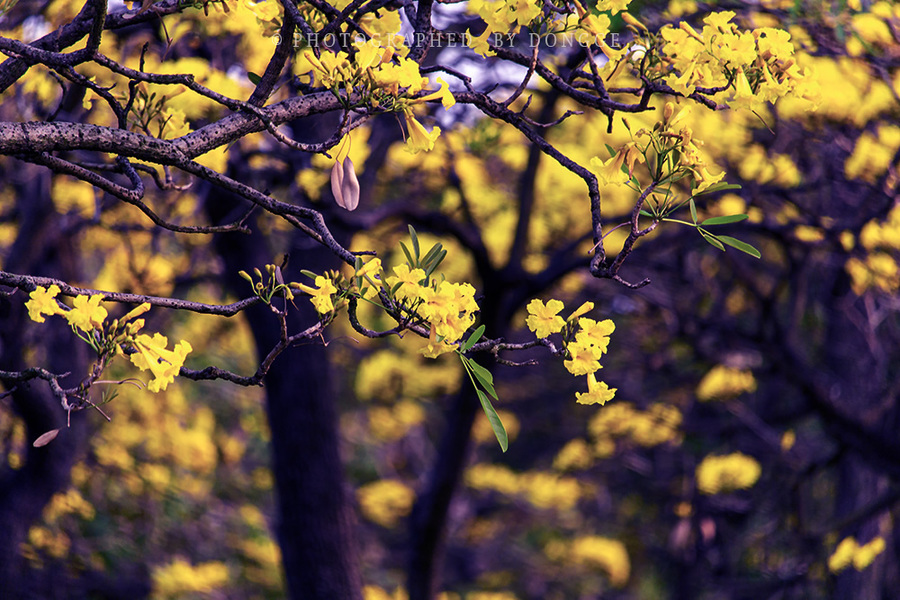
point(751, 449)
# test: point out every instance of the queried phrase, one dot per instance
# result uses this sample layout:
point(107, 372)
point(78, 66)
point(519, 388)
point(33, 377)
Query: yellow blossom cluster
point(723, 383)
point(387, 375)
point(606, 553)
point(849, 552)
point(876, 270)
point(575, 455)
point(68, 502)
point(542, 490)
point(657, 425)
point(391, 424)
point(53, 542)
point(383, 76)
point(874, 153)
point(882, 234)
point(670, 151)
point(723, 474)
point(385, 501)
point(506, 18)
point(585, 340)
point(180, 577)
point(758, 66)
point(502, 17)
point(873, 29)
point(447, 308)
point(593, 552)
point(118, 338)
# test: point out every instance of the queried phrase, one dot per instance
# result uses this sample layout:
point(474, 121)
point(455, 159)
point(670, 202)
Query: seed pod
point(350, 186)
point(337, 178)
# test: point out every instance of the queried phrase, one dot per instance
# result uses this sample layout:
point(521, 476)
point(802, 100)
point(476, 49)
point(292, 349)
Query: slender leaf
point(644, 213)
point(358, 263)
point(309, 274)
point(494, 418)
point(713, 240)
point(693, 210)
point(611, 151)
point(254, 78)
point(415, 241)
point(473, 339)
point(409, 258)
point(742, 246)
point(430, 255)
point(484, 377)
point(437, 261)
point(724, 220)
point(718, 187)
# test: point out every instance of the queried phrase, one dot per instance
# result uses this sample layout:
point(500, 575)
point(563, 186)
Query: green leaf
point(431, 255)
point(724, 220)
point(611, 151)
point(693, 210)
point(415, 241)
point(473, 339)
point(644, 213)
point(494, 418)
point(713, 240)
point(718, 187)
point(742, 246)
point(309, 274)
point(484, 377)
point(254, 78)
point(409, 258)
point(357, 263)
point(437, 261)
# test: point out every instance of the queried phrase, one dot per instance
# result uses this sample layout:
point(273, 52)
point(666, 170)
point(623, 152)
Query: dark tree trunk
point(40, 248)
point(315, 518)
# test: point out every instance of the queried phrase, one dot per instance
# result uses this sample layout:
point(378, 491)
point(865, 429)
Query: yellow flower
point(43, 302)
point(373, 267)
point(135, 312)
point(598, 392)
point(434, 349)
point(592, 333)
point(843, 555)
point(419, 138)
point(609, 171)
point(543, 320)
point(321, 294)
point(585, 358)
point(605, 553)
point(392, 77)
point(613, 6)
point(480, 43)
point(385, 502)
point(721, 474)
point(444, 94)
point(865, 555)
point(581, 310)
point(163, 364)
point(850, 552)
point(181, 577)
point(409, 280)
point(724, 383)
point(87, 313)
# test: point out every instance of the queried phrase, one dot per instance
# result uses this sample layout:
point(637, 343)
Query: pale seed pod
point(350, 186)
point(337, 178)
